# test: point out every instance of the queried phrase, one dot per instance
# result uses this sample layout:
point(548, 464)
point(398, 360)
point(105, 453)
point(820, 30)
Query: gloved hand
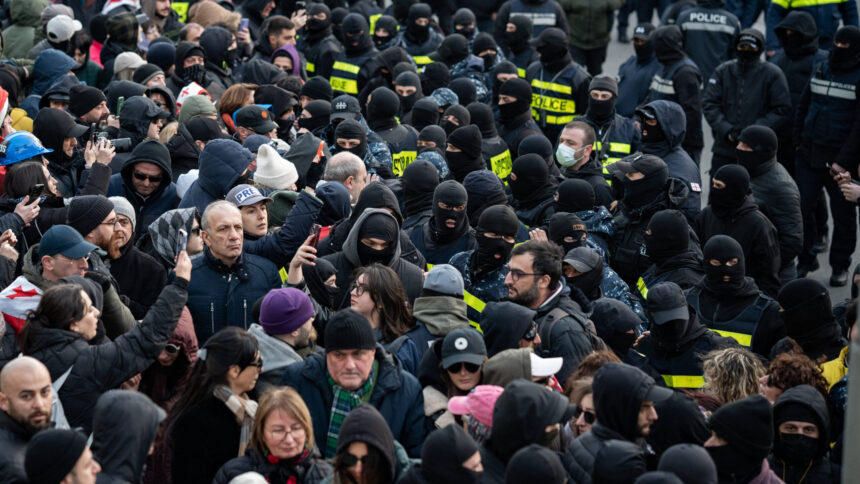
point(102, 280)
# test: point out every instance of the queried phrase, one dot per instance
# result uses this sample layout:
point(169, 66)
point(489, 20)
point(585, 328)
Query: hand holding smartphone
point(183, 240)
point(315, 232)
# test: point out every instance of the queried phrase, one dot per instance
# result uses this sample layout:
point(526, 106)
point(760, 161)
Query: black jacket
point(312, 470)
point(709, 34)
point(569, 337)
point(13, 445)
point(203, 439)
point(755, 233)
point(140, 278)
point(778, 198)
point(737, 96)
point(685, 270)
point(97, 369)
point(592, 172)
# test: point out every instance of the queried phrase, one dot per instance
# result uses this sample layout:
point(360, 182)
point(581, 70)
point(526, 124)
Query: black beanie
point(52, 454)
point(151, 151)
point(604, 83)
point(434, 133)
point(796, 411)
point(408, 78)
point(447, 449)
point(537, 144)
point(459, 112)
point(464, 89)
point(468, 139)
point(761, 139)
point(500, 220)
point(535, 463)
point(574, 195)
point(365, 424)
point(87, 212)
point(83, 99)
point(747, 425)
point(452, 50)
point(383, 104)
point(350, 129)
point(563, 224)
point(482, 116)
point(348, 330)
point(424, 112)
point(482, 42)
point(464, 16)
point(618, 461)
point(146, 72)
point(517, 88)
point(317, 88)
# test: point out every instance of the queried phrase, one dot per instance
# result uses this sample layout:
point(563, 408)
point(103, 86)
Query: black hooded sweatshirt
point(419, 182)
point(504, 324)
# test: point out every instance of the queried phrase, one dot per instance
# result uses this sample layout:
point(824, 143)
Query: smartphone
point(93, 133)
point(36, 192)
point(243, 24)
point(315, 231)
point(119, 102)
point(183, 240)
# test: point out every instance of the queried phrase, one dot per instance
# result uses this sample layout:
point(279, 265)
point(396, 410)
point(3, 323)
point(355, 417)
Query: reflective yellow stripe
point(422, 59)
point(501, 164)
point(553, 119)
point(402, 160)
point(741, 338)
point(473, 302)
point(781, 3)
point(349, 86)
point(808, 3)
point(347, 67)
point(551, 86)
point(283, 273)
point(521, 72)
point(181, 8)
point(373, 19)
point(684, 381)
point(619, 147)
point(640, 284)
point(310, 67)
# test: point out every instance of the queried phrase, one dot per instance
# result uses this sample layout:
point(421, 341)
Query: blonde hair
point(732, 374)
point(288, 400)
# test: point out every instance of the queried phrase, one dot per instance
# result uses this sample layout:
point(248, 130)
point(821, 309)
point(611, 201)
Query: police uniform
point(559, 98)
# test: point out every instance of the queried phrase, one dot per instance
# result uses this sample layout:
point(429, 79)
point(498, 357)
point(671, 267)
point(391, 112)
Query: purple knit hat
point(285, 310)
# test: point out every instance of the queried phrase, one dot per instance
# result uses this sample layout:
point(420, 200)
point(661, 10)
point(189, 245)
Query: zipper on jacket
point(245, 312)
point(212, 315)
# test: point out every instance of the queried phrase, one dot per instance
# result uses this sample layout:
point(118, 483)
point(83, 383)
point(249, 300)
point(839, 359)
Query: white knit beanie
point(274, 171)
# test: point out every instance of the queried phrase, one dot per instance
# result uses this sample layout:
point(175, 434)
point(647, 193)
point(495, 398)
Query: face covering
point(658, 247)
point(723, 249)
point(285, 129)
point(465, 31)
point(644, 51)
point(489, 60)
point(194, 73)
point(731, 463)
point(488, 249)
point(460, 164)
point(797, 449)
point(314, 25)
point(669, 334)
point(748, 56)
point(588, 282)
point(230, 58)
point(841, 55)
point(452, 194)
point(793, 44)
point(350, 129)
point(377, 226)
point(641, 192)
point(380, 40)
point(652, 134)
point(725, 201)
point(566, 155)
point(747, 159)
point(602, 110)
point(448, 126)
point(406, 102)
point(620, 343)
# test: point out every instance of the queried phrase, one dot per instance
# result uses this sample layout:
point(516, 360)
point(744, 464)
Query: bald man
point(25, 401)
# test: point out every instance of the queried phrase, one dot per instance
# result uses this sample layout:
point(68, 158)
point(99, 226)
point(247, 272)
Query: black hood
point(124, 428)
point(183, 50)
point(619, 391)
point(672, 121)
point(668, 44)
point(679, 422)
point(804, 25)
point(810, 398)
point(521, 415)
point(504, 324)
point(125, 89)
point(215, 41)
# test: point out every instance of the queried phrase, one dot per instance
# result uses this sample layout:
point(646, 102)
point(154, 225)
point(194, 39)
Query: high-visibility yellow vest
point(344, 77)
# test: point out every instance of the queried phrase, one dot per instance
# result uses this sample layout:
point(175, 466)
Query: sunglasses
point(458, 367)
point(350, 460)
point(143, 177)
point(171, 348)
point(258, 364)
point(531, 333)
point(589, 417)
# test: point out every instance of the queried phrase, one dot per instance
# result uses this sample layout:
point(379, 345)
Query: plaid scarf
point(244, 410)
point(164, 232)
point(342, 403)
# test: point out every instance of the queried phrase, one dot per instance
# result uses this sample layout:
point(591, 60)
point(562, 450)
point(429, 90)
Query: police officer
point(675, 258)
point(419, 38)
point(515, 114)
point(447, 233)
point(318, 44)
point(402, 139)
point(826, 14)
point(533, 190)
point(635, 74)
point(614, 136)
point(679, 81)
point(827, 127)
point(560, 86)
point(709, 34)
point(544, 14)
point(515, 42)
point(348, 73)
point(731, 303)
point(677, 341)
point(495, 151)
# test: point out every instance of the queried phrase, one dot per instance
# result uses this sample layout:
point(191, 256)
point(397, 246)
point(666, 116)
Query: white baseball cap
point(62, 27)
point(545, 366)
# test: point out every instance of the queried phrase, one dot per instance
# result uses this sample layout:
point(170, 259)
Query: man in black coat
point(25, 400)
point(579, 137)
point(667, 243)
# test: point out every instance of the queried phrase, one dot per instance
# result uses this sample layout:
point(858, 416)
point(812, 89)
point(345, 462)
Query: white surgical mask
point(566, 155)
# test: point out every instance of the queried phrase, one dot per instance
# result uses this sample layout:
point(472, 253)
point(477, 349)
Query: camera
point(121, 145)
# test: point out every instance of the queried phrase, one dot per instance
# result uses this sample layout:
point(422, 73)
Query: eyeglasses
point(531, 333)
point(458, 367)
point(589, 417)
point(516, 274)
point(195, 231)
point(279, 433)
point(350, 460)
point(359, 289)
point(171, 348)
point(112, 222)
point(143, 176)
point(258, 364)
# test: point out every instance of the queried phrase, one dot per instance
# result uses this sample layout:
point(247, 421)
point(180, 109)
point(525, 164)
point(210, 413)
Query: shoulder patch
point(695, 187)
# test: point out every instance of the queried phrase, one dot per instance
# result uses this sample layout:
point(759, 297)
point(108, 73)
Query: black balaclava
point(764, 143)
point(539, 145)
point(588, 282)
point(195, 73)
point(529, 176)
point(378, 226)
point(747, 427)
point(435, 134)
point(645, 51)
point(316, 28)
point(356, 35)
point(668, 44)
point(575, 195)
point(754, 39)
point(452, 50)
point(351, 129)
point(465, 23)
point(464, 89)
point(448, 449)
point(215, 41)
point(482, 117)
point(388, 23)
point(409, 79)
point(425, 112)
point(806, 309)
point(459, 112)
point(651, 134)
point(638, 193)
point(602, 111)
point(419, 181)
point(315, 277)
point(485, 190)
point(435, 75)
point(414, 32)
point(400, 9)
point(798, 404)
point(518, 41)
point(320, 112)
point(492, 253)
point(504, 67)
point(667, 236)
point(554, 54)
point(725, 201)
point(382, 109)
point(567, 225)
point(469, 140)
point(484, 42)
point(612, 320)
point(844, 59)
point(522, 92)
point(723, 280)
point(452, 194)
point(338, 14)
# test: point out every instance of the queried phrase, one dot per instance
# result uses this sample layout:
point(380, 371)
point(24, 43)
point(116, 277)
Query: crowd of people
point(369, 242)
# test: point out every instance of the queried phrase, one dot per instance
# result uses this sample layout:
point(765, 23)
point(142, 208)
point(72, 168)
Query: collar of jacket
point(221, 267)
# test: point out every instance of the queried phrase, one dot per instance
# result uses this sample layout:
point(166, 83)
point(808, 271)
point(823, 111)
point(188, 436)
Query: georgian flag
point(17, 300)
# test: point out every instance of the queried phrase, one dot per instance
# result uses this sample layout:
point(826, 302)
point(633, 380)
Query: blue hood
point(49, 67)
point(673, 121)
point(221, 163)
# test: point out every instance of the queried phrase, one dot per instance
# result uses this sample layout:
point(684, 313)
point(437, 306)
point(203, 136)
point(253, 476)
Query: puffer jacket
point(827, 17)
point(13, 444)
point(588, 21)
point(396, 394)
point(220, 166)
point(97, 369)
point(778, 198)
point(20, 36)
